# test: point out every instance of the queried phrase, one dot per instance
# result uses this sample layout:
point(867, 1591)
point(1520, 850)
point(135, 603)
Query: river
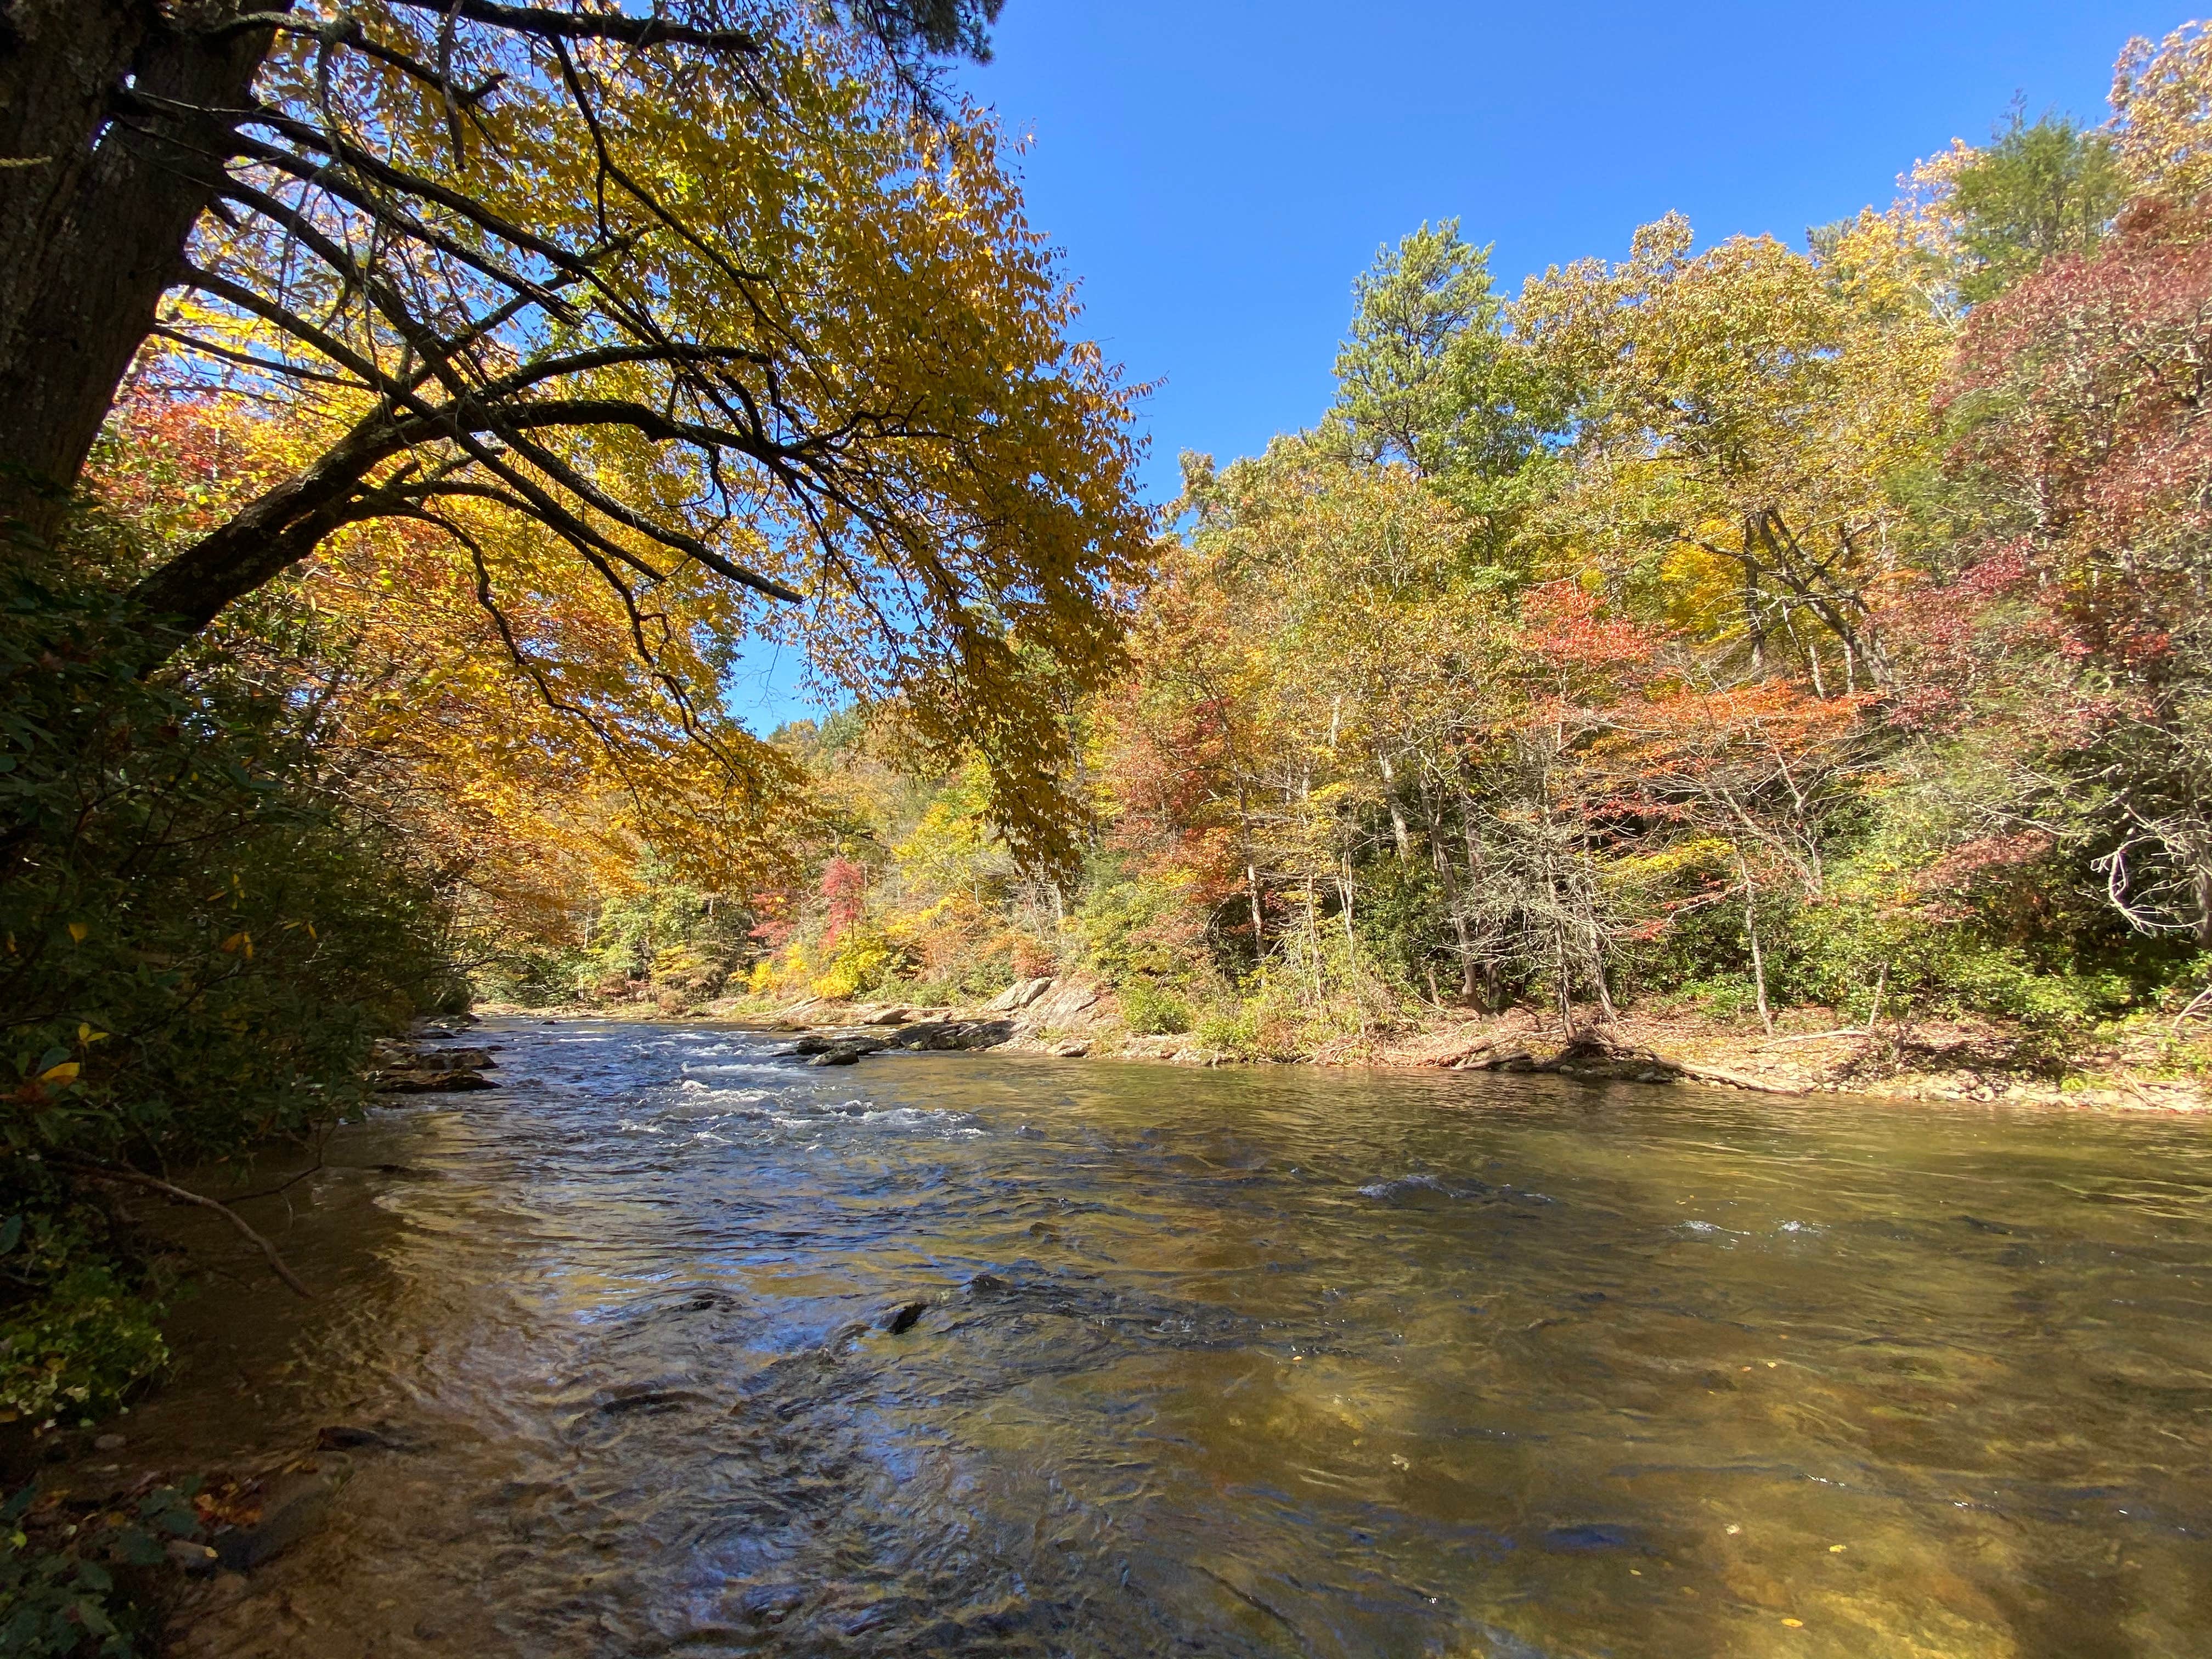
point(1272, 1361)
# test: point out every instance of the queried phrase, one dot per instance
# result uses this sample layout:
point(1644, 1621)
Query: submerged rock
point(645, 1398)
point(902, 1319)
point(292, 1506)
point(346, 1437)
point(431, 1083)
point(1592, 1537)
point(190, 1558)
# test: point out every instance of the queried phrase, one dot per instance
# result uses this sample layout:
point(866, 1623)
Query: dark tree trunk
point(95, 230)
point(60, 62)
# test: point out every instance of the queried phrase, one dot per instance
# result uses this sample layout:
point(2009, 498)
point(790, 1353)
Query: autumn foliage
point(1749, 624)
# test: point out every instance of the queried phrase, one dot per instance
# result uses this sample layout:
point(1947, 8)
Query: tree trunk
point(60, 62)
point(1400, 832)
point(96, 229)
point(1751, 932)
point(267, 537)
point(1468, 985)
point(1487, 993)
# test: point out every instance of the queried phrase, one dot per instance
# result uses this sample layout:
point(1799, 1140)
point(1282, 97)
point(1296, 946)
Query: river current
point(1275, 1361)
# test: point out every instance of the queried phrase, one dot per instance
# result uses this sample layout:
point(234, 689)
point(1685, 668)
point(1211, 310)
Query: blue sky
point(1216, 174)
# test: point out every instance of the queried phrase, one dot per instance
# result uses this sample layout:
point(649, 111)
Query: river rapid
point(1275, 1361)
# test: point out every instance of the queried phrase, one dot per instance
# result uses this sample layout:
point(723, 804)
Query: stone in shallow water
point(1590, 1538)
point(636, 1397)
point(903, 1318)
point(347, 1437)
point(292, 1506)
point(771, 1604)
point(431, 1083)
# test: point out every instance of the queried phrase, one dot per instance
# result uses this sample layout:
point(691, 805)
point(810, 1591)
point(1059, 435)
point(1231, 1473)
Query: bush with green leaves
point(1150, 1010)
point(201, 935)
point(76, 1587)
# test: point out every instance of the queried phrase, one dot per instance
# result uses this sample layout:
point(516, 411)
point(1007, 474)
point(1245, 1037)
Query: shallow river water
point(1281, 1361)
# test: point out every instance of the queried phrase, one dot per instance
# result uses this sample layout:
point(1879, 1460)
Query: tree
point(418, 711)
point(696, 297)
point(2162, 113)
point(2081, 397)
point(117, 117)
point(1431, 377)
point(2039, 192)
point(1740, 418)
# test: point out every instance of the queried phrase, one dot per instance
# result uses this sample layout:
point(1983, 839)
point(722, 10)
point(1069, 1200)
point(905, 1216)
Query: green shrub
point(936, 993)
point(1401, 921)
point(79, 1350)
point(1141, 926)
point(201, 934)
point(1151, 1011)
point(1232, 1031)
point(70, 1587)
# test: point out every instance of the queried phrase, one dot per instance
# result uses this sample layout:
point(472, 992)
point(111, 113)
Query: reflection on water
point(1274, 1362)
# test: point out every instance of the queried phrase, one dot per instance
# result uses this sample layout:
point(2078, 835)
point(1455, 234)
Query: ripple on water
point(695, 1350)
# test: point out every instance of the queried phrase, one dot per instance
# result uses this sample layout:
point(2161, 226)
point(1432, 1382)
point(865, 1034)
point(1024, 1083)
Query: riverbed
point(678, 1347)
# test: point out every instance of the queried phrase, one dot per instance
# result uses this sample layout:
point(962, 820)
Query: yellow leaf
point(86, 1034)
point(77, 931)
point(65, 1072)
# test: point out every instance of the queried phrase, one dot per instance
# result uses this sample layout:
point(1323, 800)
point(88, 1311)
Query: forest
point(1732, 628)
point(1725, 629)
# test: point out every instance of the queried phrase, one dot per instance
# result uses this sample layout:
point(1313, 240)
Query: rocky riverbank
point(2146, 1066)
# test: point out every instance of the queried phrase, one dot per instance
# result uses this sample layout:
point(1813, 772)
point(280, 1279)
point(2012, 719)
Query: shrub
point(1148, 1010)
point(201, 934)
point(78, 1351)
point(67, 1584)
point(1231, 1032)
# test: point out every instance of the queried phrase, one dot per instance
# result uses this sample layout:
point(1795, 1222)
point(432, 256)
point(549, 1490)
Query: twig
point(322, 1144)
point(1816, 1037)
point(107, 1172)
point(2139, 1091)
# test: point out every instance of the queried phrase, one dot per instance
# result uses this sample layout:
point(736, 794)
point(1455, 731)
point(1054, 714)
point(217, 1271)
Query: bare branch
point(594, 26)
point(133, 1177)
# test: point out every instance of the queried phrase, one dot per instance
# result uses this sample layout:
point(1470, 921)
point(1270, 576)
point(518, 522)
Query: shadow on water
point(684, 1350)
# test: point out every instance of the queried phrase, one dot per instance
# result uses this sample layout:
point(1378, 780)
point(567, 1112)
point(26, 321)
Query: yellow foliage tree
point(726, 330)
point(1744, 415)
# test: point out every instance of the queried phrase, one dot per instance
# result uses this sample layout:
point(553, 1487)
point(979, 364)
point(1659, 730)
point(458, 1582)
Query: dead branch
point(109, 1172)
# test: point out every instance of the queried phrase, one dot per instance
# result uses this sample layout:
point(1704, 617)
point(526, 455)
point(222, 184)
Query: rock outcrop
point(413, 1068)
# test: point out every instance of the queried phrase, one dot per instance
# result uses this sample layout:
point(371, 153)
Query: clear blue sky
point(1216, 174)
